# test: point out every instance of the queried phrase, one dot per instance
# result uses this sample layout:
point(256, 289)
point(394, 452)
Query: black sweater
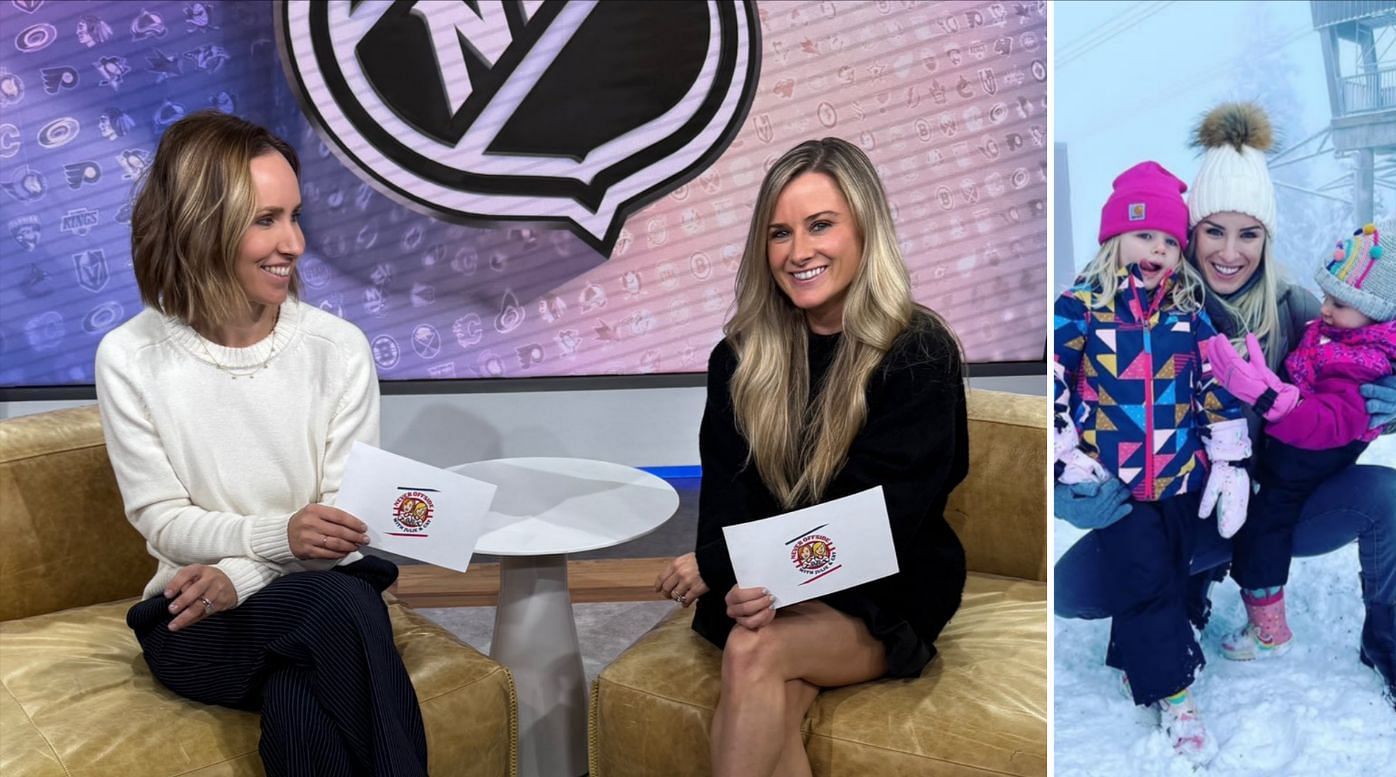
point(913, 444)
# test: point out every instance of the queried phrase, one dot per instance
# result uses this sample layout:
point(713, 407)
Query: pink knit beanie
point(1146, 196)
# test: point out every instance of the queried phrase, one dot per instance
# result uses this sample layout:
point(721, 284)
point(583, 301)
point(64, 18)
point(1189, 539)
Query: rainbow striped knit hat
point(1362, 272)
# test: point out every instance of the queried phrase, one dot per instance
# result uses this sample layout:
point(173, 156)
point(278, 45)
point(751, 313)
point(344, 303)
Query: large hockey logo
point(574, 113)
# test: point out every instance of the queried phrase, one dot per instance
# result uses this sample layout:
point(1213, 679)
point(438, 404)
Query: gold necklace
point(245, 372)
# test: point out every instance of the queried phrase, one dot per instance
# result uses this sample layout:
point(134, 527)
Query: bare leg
point(749, 724)
point(799, 696)
point(755, 721)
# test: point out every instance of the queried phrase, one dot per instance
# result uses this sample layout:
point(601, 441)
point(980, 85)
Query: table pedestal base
point(535, 635)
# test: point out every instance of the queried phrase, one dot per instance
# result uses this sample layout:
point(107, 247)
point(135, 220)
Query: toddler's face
point(1155, 252)
point(1336, 314)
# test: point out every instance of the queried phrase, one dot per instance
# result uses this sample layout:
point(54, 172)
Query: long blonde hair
point(797, 446)
point(1258, 309)
point(1185, 292)
point(196, 200)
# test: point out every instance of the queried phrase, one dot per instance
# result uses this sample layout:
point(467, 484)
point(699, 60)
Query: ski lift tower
point(1358, 57)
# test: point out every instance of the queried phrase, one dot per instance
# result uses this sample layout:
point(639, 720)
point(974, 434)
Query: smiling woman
point(208, 220)
point(830, 381)
point(259, 585)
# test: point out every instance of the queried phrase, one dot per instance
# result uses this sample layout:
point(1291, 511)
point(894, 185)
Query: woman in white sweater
point(229, 407)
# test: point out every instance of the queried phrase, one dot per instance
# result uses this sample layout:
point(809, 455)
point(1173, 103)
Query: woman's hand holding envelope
point(751, 608)
point(321, 531)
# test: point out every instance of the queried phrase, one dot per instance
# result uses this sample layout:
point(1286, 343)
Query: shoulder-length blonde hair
point(1185, 290)
point(797, 446)
point(196, 200)
point(1258, 309)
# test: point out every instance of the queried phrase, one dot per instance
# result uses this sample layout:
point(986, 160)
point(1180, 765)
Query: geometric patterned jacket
point(1136, 382)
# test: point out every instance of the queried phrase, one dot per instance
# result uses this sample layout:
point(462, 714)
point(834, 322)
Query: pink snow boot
point(1265, 635)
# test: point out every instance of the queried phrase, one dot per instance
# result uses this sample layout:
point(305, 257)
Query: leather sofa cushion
point(77, 699)
point(999, 511)
point(979, 708)
point(67, 541)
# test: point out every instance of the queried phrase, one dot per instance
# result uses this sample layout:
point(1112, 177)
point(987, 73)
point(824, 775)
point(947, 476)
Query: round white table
point(545, 508)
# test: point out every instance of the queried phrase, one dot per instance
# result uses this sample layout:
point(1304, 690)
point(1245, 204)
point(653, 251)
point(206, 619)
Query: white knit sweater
point(211, 469)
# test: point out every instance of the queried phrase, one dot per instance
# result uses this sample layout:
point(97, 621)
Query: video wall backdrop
point(591, 258)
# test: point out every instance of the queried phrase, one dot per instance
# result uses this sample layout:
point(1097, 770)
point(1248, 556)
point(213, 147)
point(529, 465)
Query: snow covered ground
point(1315, 711)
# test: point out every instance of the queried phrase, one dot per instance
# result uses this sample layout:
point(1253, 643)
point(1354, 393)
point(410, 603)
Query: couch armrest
point(1000, 510)
point(66, 539)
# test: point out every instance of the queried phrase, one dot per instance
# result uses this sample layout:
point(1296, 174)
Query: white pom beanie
point(1233, 175)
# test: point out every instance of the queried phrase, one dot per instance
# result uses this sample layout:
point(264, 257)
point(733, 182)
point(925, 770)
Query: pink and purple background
point(948, 99)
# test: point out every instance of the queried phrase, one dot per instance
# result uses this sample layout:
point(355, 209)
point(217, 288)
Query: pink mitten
point(1228, 486)
point(1251, 381)
point(1286, 397)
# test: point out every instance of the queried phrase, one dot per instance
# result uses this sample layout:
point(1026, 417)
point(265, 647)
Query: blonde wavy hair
point(1258, 310)
point(799, 447)
point(195, 202)
point(1186, 290)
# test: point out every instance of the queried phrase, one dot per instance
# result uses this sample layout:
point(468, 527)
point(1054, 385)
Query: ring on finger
point(324, 540)
point(678, 597)
point(208, 605)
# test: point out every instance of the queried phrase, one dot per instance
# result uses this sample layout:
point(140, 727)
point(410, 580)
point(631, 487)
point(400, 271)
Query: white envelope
point(817, 550)
point(414, 509)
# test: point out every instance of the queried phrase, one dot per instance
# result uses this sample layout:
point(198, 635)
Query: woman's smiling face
point(814, 248)
point(273, 242)
point(1229, 247)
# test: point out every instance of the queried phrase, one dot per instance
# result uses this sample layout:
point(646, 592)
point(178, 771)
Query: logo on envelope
point(814, 554)
point(412, 512)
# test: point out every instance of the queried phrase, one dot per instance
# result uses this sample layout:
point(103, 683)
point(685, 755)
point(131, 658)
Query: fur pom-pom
point(1235, 125)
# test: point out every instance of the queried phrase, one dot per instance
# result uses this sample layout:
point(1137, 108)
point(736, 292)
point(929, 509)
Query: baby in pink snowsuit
point(1317, 422)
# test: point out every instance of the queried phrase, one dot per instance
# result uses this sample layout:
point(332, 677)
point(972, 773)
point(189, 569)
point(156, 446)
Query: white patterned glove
point(1079, 466)
point(1229, 489)
point(1228, 486)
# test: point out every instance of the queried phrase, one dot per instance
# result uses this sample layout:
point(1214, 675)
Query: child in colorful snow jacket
point(1136, 400)
point(1135, 395)
point(1316, 421)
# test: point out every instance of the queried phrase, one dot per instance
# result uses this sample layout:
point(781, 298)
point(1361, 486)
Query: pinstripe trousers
point(313, 653)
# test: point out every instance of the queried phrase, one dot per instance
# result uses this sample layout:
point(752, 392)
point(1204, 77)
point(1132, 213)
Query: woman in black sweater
point(830, 381)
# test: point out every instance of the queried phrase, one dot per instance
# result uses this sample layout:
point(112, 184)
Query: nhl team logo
point(554, 112)
point(814, 554)
point(412, 512)
point(91, 269)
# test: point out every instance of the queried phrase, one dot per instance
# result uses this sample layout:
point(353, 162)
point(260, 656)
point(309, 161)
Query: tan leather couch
point(76, 697)
point(979, 708)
